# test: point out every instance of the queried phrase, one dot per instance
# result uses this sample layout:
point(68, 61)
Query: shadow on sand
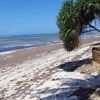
point(79, 90)
point(74, 89)
point(71, 66)
point(95, 44)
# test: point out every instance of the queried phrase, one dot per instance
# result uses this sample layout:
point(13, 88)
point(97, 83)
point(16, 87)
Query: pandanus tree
point(73, 19)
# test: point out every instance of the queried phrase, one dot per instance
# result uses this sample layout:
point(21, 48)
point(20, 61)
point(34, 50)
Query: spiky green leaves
point(71, 40)
point(72, 18)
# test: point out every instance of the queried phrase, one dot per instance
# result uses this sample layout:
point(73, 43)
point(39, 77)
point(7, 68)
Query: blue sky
point(28, 16)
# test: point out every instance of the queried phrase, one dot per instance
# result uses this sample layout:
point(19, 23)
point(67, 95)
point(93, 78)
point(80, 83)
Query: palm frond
point(73, 17)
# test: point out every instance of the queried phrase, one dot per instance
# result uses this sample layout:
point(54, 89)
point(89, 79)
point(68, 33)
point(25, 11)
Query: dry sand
point(12, 58)
point(40, 72)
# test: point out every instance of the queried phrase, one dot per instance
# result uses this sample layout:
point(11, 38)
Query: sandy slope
point(42, 78)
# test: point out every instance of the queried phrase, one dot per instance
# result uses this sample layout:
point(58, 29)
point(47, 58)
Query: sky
point(29, 16)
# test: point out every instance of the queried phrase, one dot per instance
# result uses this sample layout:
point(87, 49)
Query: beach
point(36, 73)
point(50, 50)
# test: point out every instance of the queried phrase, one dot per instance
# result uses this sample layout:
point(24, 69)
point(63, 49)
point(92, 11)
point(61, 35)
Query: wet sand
point(15, 57)
point(33, 73)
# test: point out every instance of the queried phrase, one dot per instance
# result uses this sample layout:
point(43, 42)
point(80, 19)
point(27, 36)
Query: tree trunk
point(96, 55)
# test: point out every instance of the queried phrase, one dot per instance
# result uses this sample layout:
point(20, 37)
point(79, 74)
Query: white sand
point(40, 78)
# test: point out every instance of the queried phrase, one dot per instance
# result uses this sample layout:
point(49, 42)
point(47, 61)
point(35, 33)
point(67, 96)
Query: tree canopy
point(74, 17)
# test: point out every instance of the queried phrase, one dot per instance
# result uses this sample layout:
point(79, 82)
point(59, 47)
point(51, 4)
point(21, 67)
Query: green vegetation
point(74, 17)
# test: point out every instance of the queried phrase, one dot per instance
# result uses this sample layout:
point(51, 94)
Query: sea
point(13, 42)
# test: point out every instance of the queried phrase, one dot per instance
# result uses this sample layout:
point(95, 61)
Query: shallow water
point(13, 42)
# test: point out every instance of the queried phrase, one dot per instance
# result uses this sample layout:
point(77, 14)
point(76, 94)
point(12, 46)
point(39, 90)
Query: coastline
point(15, 57)
point(19, 56)
point(15, 42)
point(26, 73)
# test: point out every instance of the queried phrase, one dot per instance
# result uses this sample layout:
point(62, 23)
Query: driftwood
point(96, 55)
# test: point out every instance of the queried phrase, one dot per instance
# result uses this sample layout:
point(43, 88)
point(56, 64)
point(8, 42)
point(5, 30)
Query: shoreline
point(24, 47)
point(32, 47)
point(82, 41)
point(15, 57)
point(40, 72)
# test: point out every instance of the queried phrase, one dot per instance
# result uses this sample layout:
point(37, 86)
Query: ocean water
point(89, 35)
point(13, 42)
